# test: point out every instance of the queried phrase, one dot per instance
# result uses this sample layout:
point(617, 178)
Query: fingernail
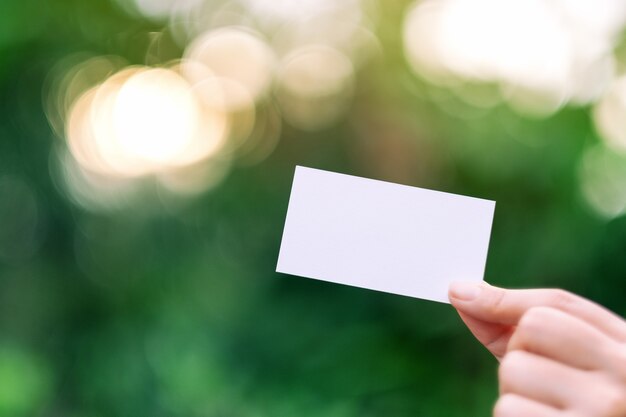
point(465, 291)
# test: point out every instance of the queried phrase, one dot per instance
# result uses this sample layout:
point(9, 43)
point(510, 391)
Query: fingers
point(511, 405)
point(549, 388)
point(540, 379)
point(496, 305)
point(495, 337)
point(564, 338)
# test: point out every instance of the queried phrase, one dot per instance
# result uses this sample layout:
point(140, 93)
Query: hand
point(561, 355)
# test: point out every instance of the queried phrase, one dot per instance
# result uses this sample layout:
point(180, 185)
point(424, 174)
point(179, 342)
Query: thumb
point(498, 305)
point(490, 312)
point(485, 302)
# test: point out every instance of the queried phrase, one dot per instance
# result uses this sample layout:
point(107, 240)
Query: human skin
point(560, 354)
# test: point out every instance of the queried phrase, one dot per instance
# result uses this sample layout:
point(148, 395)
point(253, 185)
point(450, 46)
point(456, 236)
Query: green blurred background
point(158, 302)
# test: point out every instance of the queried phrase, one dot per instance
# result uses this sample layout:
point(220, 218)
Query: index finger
point(502, 306)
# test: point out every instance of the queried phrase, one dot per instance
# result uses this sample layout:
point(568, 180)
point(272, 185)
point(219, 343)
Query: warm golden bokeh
point(247, 67)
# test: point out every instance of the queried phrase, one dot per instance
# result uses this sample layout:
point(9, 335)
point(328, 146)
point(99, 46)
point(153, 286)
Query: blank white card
point(383, 236)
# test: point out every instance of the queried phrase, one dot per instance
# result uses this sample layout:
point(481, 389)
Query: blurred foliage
point(174, 308)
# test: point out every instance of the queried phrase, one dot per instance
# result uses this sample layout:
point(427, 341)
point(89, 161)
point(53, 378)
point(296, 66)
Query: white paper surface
point(383, 236)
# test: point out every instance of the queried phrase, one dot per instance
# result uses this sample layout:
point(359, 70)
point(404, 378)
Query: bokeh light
point(566, 57)
point(235, 54)
point(155, 116)
point(610, 116)
point(603, 181)
point(245, 67)
point(137, 122)
point(249, 65)
point(315, 85)
point(88, 189)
